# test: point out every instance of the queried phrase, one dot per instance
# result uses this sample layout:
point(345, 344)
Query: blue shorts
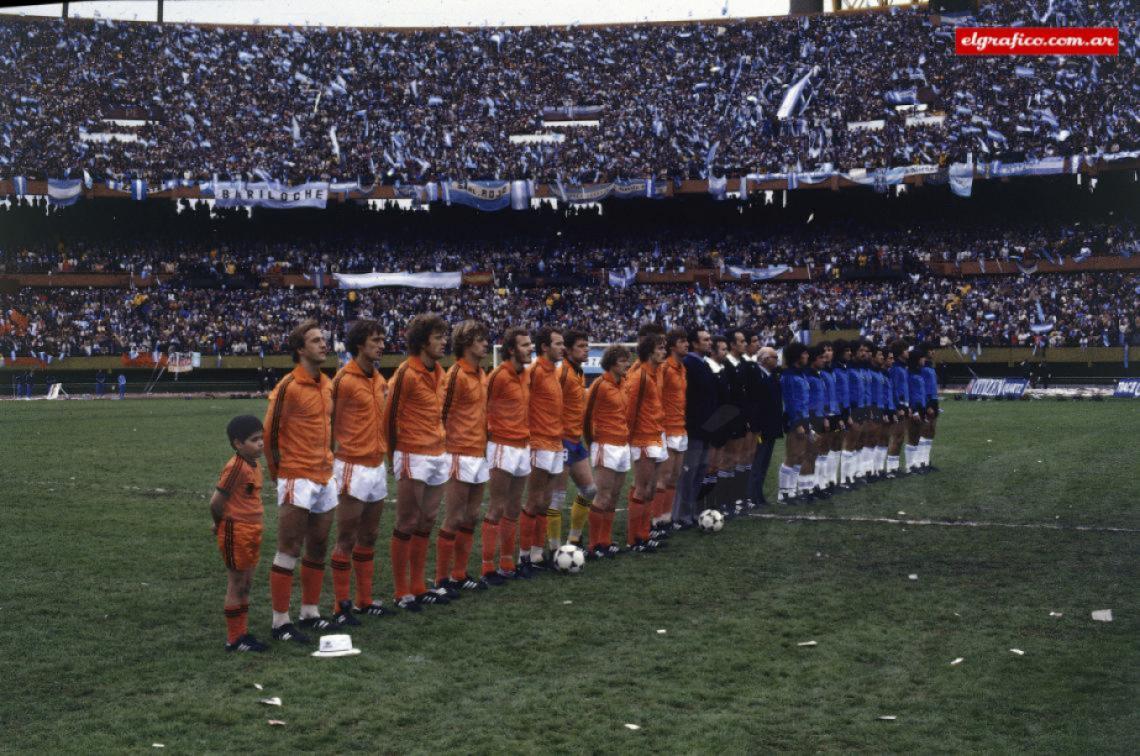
point(575, 451)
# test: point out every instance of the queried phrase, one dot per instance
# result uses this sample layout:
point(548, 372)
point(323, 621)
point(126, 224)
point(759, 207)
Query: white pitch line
point(944, 523)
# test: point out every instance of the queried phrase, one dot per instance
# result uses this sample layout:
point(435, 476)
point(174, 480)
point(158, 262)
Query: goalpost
point(593, 363)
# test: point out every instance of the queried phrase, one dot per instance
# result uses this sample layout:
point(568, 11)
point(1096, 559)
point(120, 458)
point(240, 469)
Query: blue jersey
point(917, 385)
point(794, 387)
point(855, 387)
point(817, 394)
point(888, 396)
point(900, 391)
point(829, 388)
point(841, 384)
point(930, 379)
point(868, 385)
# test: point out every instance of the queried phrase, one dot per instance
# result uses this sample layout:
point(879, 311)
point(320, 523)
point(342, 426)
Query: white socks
point(848, 470)
point(925, 446)
point(892, 464)
point(911, 457)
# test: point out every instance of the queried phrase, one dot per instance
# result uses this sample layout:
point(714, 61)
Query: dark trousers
point(693, 466)
point(761, 461)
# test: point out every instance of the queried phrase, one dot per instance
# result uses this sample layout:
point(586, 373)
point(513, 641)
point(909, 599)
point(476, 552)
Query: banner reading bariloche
point(270, 194)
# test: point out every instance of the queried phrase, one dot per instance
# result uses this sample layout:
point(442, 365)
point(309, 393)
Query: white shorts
point(303, 493)
point(361, 482)
point(433, 469)
point(511, 459)
point(655, 453)
point(470, 469)
point(551, 461)
point(610, 456)
point(677, 443)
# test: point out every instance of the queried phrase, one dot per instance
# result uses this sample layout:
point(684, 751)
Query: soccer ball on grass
point(569, 559)
point(710, 521)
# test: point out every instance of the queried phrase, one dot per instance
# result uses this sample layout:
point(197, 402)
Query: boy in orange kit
point(237, 512)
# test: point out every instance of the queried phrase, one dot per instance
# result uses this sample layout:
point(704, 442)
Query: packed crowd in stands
point(514, 261)
point(1089, 309)
point(675, 100)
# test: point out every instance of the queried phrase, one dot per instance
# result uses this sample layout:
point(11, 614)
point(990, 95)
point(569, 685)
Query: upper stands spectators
point(673, 101)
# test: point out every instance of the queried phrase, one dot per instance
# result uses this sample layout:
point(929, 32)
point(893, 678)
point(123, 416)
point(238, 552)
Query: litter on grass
point(277, 722)
point(629, 726)
point(913, 576)
point(567, 602)
point(888, 718)
point(1056, 614)
point(901, 512)
point(1102, 615)
point(808, 643)
point(275, 701)
point(957, 661)
point(157, 745)
point(660, 632)
point(1017, 651)
point(258, 686)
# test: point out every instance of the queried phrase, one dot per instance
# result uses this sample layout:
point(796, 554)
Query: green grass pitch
point(112, 627)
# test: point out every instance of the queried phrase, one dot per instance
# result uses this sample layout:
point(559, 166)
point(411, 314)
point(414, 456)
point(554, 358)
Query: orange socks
point(418, 554)
point(538, 539)
point(444, 553)
point(342, 578)
point(597, 527)
point(637, 512)
point(490, 535)
point(608, 526)
point(312, 576)
point(280, 588)
point(464, 541)
point(237, 622)
point(401, 547)
point(526, 533)
point(362, 568)
point(508, 536)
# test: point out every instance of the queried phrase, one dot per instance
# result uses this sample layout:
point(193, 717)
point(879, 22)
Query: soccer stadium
point(707, 376)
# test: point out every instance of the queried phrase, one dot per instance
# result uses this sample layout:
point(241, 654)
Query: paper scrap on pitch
point(629, 726)
point(1017, 651)
point(1102, 615)
point(157, 745)
point(913, 576)
point(259, 686)
point(567, 602)
point(888, 718)
point(661, 632)
point(808, 643)
point(275, 701)
point(277, 722)
point(1056, 614)
point(957, 661)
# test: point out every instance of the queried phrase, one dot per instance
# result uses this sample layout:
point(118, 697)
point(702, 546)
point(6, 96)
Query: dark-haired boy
point(237, 513)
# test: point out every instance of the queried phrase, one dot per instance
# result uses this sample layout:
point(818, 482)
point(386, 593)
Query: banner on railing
point(411, 280)
point(758, 274)
point(481, 195)
point(997, 388)
point(1127, 388)
point(270, 194)
point(64, 192)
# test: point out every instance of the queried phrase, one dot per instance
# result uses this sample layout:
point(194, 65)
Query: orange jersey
point(413, 417)
point(358, 407)
point(573, 382)
point(465, 409)
point(605, 421)
point(298, 436)
point(240, 483)
point(674, 383)
point(644, 412)
point(508, 398)
point(545, 406)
